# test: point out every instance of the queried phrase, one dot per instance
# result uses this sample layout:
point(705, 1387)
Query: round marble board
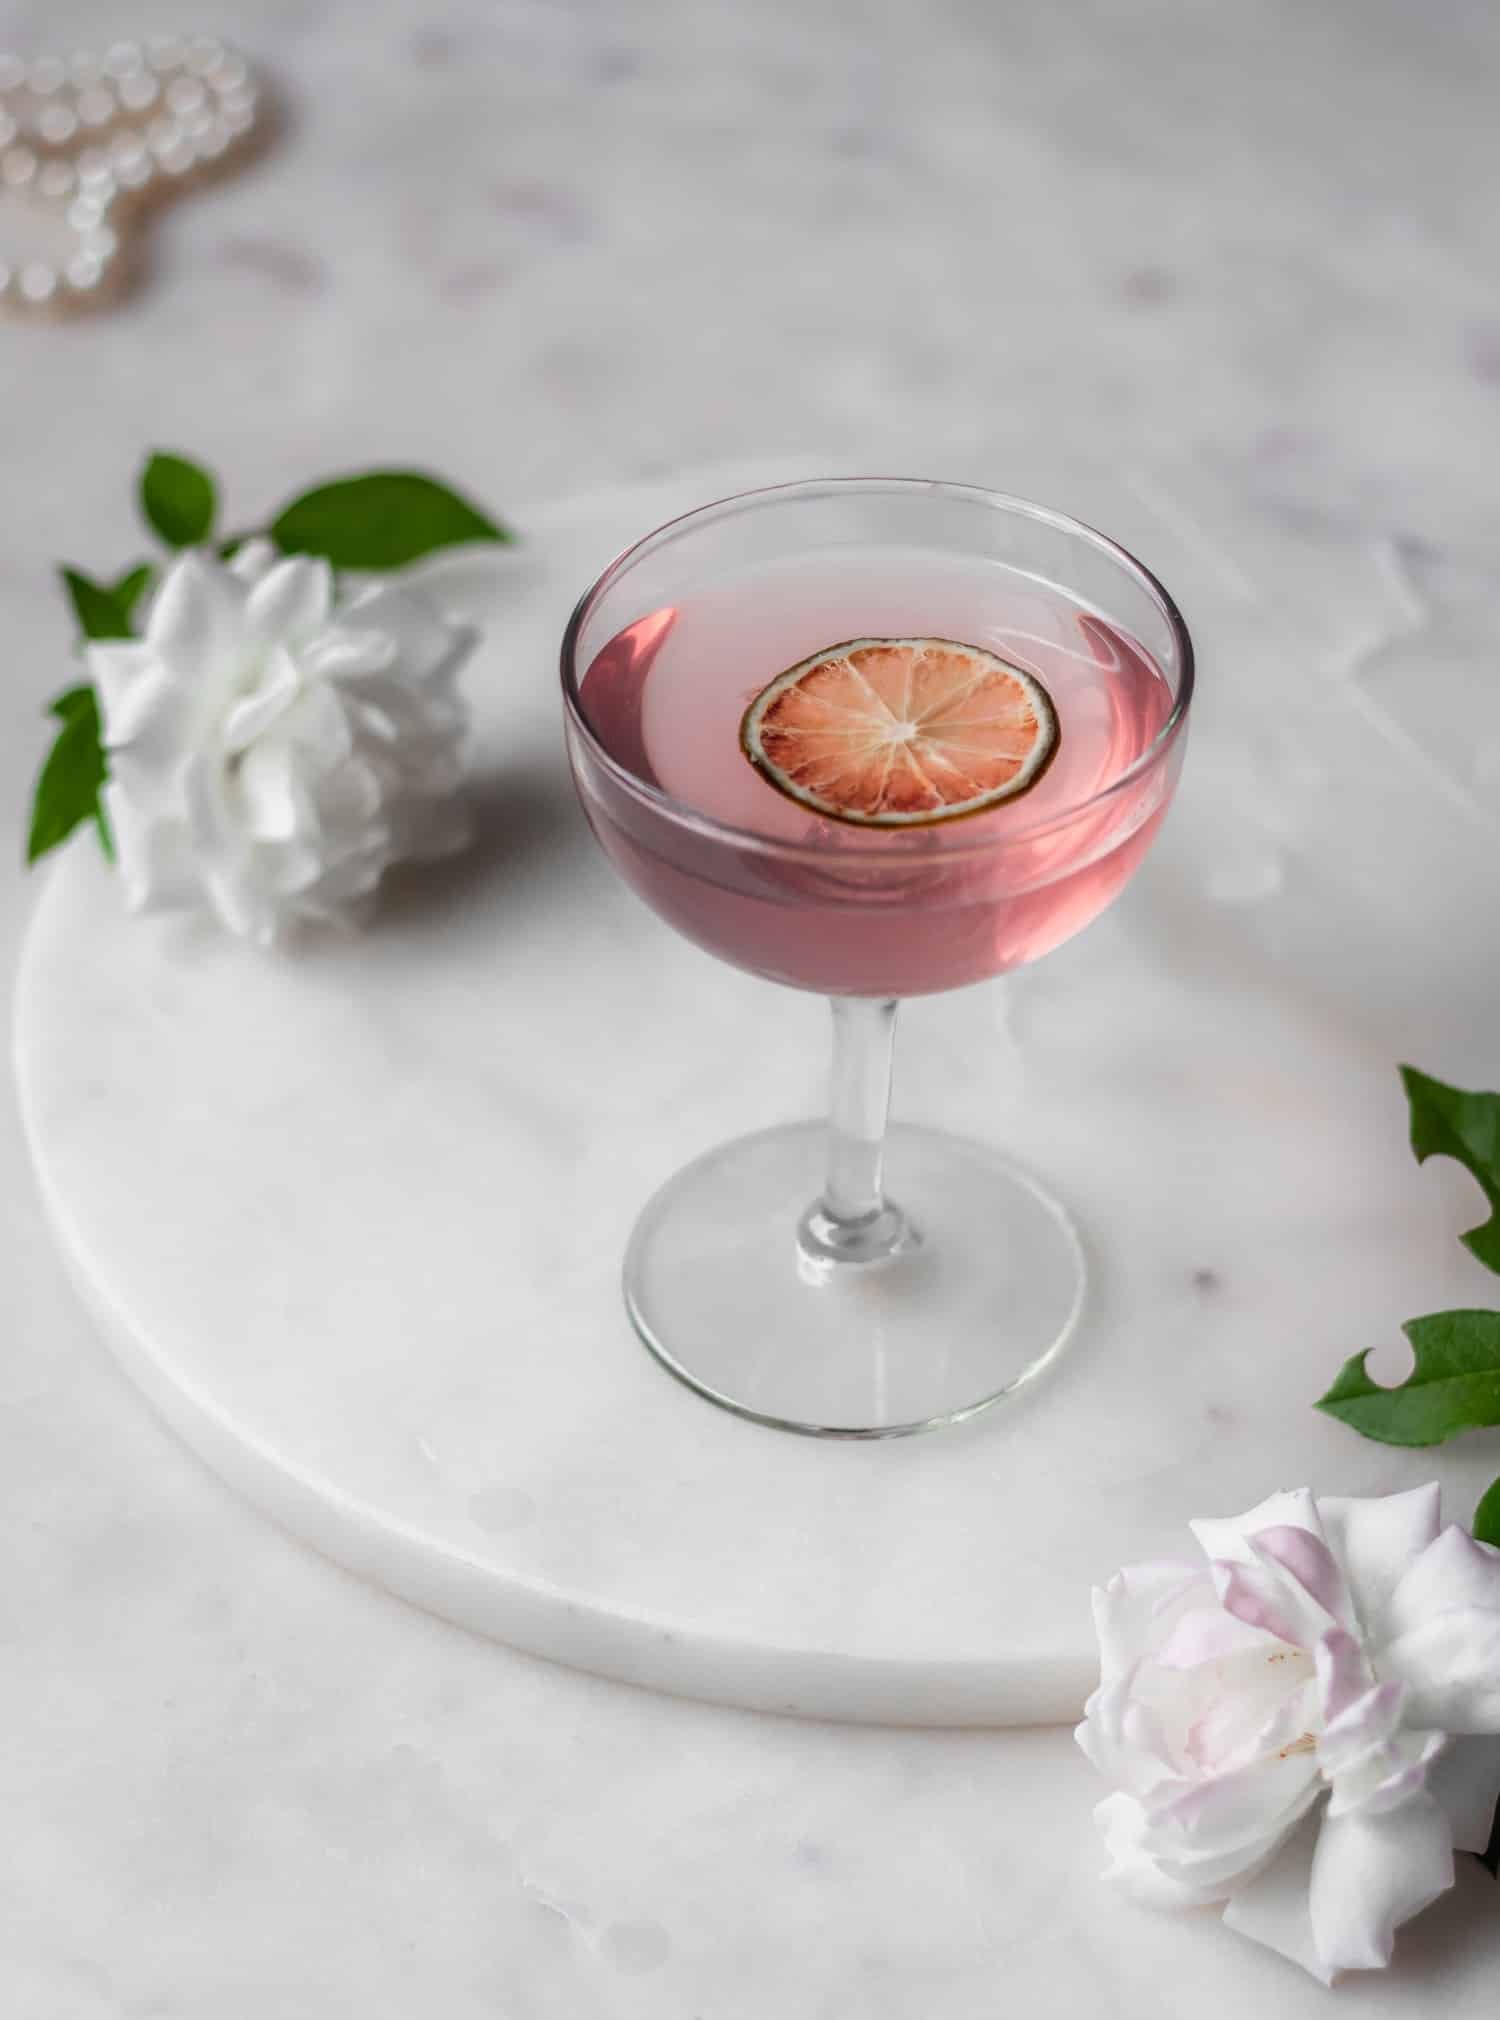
point(352, 1217)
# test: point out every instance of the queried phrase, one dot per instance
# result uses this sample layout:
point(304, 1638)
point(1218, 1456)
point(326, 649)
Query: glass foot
point(729, 1285)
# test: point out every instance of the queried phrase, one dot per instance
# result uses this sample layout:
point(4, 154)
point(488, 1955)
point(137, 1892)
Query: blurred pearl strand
point(90, 137)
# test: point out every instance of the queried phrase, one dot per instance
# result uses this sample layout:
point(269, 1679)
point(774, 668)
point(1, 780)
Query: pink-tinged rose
point(1306, 1725)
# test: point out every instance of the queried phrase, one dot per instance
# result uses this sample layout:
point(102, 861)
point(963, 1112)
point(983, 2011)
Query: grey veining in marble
point(540, 246)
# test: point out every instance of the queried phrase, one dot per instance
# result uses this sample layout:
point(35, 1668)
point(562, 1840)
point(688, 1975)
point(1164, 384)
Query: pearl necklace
point(94, 140)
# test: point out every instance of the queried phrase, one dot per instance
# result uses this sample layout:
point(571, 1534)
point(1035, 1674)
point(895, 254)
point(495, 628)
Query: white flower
point(273, 749)
point(1304, 1727)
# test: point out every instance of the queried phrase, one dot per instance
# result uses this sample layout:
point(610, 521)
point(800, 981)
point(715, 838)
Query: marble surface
point(354, 1218)
point(543, 246)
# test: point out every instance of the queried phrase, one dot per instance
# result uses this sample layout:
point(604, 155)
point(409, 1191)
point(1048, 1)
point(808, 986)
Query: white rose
point(1302, 1728)
point(274, 748)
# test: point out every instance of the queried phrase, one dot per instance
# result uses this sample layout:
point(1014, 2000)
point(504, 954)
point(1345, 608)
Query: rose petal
point(1365, 1728)
point(205, 803)
point(1121, 1823)
point(1372, 1873)
point(153, 789)
point(1262, 1599)
point(1208, 1634)
point(1392, 1776)
point(144, 708)
point(355, 878)
point(1451, 1667)
point(1377, 1540)
point(429, 649)
point(1272, 1908)
point(1307, 1560)
point(1345, 1678)
point(345, 654)
point(287, 867)
point(1453, 1571)
point(1227, 1870)
point(196, 622)
point(123, 671)
point(290, 600)
point(153, 851)
point(1465, 1780)
point(243, 906)
point(1136, 1612)
point(1101, 1735)
point(276, 804)
point(256, 558)
point(1245, 1708)
point(320, 727)
point(255, 712)
point(1251, 1806)
point(348, 796)
point(1227, 1538)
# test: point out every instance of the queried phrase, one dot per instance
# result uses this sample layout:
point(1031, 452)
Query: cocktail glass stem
point(854, 1223)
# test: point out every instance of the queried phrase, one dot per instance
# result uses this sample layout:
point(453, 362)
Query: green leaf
point(100, 612)
point(382, 520)
point(130, 588)
point(1447, 1122)
point(1455, 1385)
point(178, 500)
point(1487, 1517)
point(74, 702)
point(67, 791)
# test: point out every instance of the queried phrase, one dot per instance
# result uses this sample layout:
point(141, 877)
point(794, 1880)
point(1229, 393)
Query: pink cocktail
point(860, 1313)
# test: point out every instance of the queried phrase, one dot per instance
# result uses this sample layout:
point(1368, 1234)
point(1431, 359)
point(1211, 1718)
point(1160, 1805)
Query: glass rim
point(949, 837)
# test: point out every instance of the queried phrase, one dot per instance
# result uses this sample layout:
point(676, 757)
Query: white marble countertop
point(541, 246)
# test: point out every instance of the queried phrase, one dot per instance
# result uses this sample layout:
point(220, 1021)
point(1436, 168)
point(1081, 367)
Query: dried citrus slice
point(901, 732)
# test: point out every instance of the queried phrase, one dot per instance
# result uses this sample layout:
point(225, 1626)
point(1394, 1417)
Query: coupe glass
point(777, 1275)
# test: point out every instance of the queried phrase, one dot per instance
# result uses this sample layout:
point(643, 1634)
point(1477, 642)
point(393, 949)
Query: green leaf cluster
point(1454, 1384)
point(371, 522)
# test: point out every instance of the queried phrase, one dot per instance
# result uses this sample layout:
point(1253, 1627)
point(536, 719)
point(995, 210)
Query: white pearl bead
point(113, 123)
point(85, 270)
point(138, 92)
point(57, 125)
point(229, 74)
point(186, 95)
point(96, 107)
point(87, 213)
